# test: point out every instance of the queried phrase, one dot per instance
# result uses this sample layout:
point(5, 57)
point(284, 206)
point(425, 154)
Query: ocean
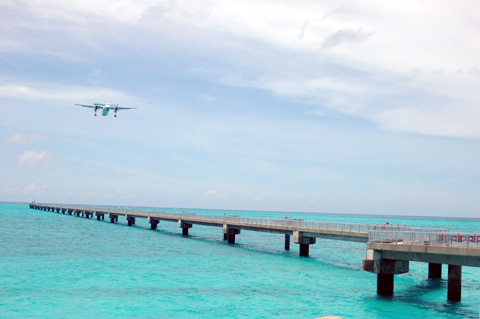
point(60, 266)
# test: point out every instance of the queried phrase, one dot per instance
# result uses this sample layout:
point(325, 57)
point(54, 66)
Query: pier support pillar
point(225, 236)
point(454, 283)
point(434, 271)
point(185, 226)
point(230, 232)
point(287, 242)
point(153, 223)
point(231, 238)
point(304, 250)
point(385, 284)
point(304, 241)
point(130, 220)
point(113, 218)
point(98, 217)
point(385, 270)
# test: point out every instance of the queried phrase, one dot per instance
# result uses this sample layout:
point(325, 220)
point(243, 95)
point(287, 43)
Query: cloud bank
point(377, 61)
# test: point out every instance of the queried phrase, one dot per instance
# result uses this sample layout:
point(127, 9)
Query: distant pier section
point(389, 248)
point(303, 232)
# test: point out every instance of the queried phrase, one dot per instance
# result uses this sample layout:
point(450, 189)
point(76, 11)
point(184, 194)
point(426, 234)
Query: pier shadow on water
point(420, 296)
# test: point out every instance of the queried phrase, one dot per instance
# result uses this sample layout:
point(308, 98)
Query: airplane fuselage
point(105, 109)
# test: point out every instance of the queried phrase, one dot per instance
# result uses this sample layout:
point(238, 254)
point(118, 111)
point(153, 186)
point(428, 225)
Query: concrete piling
point(230, 232)
point(153, 222)
point(385, 269)
point(130, 220)
point(385, 284)
point(434, 271)
point(185, 226)
point(287, 242)
point(304, 250)
point(454, 290)
point(303, 241)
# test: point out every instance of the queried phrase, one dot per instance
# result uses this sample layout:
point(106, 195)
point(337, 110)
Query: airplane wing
point(90, 106)
point(126, 108)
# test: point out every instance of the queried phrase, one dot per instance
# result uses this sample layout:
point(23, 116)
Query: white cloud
point(211, 192)
point(441, 121)
point(19, 139)
point(30, 189)
point(345, 36)
point(54, 91)
point(34, 159)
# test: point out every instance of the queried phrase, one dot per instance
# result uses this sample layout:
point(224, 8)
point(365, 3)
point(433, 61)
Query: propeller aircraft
point(106, 108)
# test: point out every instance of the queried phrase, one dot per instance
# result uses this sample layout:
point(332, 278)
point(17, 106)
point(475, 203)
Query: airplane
point(106, 107)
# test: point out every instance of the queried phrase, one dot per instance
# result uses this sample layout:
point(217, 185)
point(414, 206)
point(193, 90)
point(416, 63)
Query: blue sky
point(326, 106)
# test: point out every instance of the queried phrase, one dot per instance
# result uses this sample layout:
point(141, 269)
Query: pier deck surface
point(336, 231)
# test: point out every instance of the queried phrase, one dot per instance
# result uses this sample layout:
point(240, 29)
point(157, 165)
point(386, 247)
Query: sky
point(341, 106)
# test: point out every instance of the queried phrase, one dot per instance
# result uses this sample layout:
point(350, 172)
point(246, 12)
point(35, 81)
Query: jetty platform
point(389, 249)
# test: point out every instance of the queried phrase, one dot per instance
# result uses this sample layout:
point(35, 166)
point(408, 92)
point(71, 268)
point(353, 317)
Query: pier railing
point(297, 223)
point(377, 233)
point(225, 218)
point(443, 238)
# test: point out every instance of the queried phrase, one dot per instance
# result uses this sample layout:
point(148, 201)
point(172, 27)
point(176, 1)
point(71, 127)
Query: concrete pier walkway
point(389, 249)
point(391, 254)
point(304, 232)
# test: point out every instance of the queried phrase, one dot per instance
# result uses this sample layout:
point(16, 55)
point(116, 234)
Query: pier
point(389, 253)
point(389, 249)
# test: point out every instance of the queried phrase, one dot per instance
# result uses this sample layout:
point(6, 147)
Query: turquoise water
point(60, 266)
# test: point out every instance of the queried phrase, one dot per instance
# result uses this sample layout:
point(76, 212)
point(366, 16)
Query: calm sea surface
point(60, 266)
